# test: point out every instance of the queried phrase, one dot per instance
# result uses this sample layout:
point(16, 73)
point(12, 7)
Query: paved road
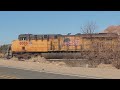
point(12, 73)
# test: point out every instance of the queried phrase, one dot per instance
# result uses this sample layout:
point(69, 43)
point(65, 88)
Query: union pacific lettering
point(70, 43)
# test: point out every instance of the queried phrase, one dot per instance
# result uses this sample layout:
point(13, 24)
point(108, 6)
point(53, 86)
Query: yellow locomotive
point(28, 45)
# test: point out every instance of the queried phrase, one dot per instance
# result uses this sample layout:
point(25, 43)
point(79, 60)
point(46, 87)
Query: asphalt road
point(13, 73)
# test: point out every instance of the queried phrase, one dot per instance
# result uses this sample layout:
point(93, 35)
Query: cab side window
point(24, 38)
point(55, 37)
point(45, 36)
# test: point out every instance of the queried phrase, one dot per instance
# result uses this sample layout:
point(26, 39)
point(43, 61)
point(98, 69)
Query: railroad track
point(66, 59)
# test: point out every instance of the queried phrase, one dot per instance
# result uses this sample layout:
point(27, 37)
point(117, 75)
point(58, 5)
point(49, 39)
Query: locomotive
point(30, 45)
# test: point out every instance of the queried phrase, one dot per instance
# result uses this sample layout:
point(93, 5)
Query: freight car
point(29, 45)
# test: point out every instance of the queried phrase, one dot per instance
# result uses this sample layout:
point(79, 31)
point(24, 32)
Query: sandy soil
point(103, 71)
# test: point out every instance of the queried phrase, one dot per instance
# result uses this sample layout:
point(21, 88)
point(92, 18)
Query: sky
point(13, 23)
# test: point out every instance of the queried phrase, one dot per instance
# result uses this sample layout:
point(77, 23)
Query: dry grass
point(40, 59)
point(93, 58)
point(92, 63)
point(14, 58)
point(72, 63)
point(107, 66)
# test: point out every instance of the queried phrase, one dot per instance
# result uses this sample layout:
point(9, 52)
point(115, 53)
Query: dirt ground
point(102, 71)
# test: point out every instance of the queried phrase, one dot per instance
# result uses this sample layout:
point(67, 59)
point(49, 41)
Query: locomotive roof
point(38, 34)
point(100, 35)
point(95, 35)
point(82, 35)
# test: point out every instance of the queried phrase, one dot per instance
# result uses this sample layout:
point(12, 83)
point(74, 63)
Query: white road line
point(8, 77)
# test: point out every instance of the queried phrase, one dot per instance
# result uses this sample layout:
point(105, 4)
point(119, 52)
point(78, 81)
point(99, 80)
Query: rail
point(66, 59)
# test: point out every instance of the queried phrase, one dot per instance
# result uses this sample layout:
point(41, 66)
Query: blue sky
point(13, 23)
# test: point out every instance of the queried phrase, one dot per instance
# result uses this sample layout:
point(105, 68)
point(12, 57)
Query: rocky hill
point(112, 29)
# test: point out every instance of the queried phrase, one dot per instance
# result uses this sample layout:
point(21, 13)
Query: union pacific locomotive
point(28, 45)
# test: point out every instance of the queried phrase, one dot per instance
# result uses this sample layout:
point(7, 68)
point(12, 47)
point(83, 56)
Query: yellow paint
point(32, 46)
point(59, 44)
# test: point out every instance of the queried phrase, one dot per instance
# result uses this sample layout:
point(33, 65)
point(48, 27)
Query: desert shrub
point(94, 63)
point(3, 48)
point(116, 63)
point(75, 63)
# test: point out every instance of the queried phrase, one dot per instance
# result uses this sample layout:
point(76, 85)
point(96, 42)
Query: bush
point(94, 63)
point(4, 48)
point(76, 63)
point(116, 63)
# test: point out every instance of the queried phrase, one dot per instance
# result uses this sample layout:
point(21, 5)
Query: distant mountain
point(112, 29)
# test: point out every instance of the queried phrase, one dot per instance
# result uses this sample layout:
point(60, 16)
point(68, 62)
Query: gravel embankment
point(103, 71)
